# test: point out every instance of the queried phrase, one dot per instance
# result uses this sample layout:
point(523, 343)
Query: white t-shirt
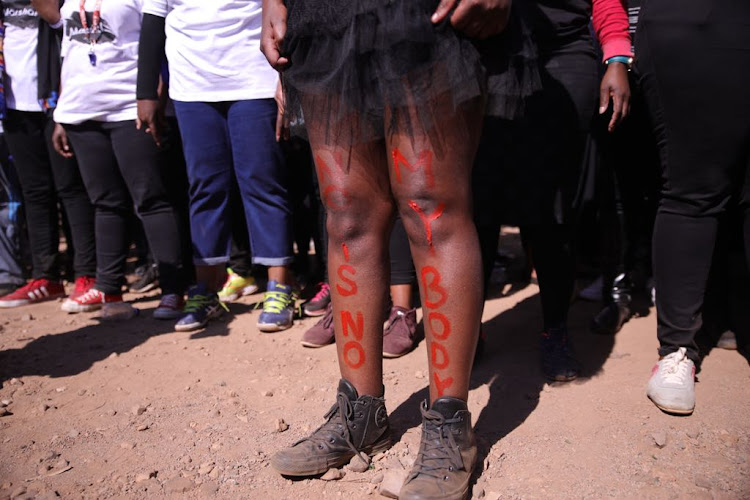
point(104, 92)
point(213, 50)
point(21, 38)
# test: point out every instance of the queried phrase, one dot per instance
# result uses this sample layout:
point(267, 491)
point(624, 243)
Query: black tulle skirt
point(354, 62)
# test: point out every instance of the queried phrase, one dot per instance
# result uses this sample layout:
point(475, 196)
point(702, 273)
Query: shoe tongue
point(448, 406)
point(348, 389)
point(274, 286)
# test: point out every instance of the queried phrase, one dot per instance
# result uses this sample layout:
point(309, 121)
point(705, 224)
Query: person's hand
point(615, 86)
point(150, 118)
point(49, 10)
point(272, 33)
point(475, 18)
point(282, 124)
point(60, 142)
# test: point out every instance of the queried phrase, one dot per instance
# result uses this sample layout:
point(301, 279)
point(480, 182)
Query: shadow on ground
point(510, 368)
point(73, 352)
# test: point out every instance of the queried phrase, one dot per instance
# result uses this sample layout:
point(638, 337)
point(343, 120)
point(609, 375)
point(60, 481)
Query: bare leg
point(433, 194)
point(355, 191)
point(401, 295)
point(212, 276)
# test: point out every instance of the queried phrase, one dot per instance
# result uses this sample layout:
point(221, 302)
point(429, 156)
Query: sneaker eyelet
point(445, 478)
point(450, 468)
point(354, 426)
point(332, 441)
point(320, 446)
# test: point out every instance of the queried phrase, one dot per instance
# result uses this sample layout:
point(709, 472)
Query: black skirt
point(353, 59)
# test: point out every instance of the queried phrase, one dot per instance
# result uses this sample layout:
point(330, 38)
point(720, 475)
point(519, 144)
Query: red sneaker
point(35, 291)
point(83, 285)
point(89, 301)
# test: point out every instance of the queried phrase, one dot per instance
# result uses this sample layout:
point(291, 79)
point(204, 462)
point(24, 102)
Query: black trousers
point(527, 173)
point(46, 177)
point(694, 61)
point(121, 168)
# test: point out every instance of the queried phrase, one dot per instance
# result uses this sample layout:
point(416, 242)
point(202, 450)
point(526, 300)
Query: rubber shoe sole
point(672, 411)
point(197, 325)
point(7, 304)
point(378, 447)
point(73, 307)
point(248, 290)
point(274, 327)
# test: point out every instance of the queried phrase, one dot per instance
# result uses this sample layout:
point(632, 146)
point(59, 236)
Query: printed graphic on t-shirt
point(75, 31)
point(20, 14)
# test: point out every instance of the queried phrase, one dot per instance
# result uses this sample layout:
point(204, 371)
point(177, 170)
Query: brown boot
point(355, 425)
point(447, 453)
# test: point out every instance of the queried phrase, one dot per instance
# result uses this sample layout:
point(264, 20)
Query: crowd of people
point(214, 141)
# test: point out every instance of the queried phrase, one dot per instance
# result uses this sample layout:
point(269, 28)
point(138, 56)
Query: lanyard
point(93, 33)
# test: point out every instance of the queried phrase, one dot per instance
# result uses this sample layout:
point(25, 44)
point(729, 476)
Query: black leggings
point(46, 177)
point(121, 167)
point(694, 59)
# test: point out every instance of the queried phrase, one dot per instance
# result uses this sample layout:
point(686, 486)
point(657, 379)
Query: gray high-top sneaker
point(355, 425)
point(447, 453)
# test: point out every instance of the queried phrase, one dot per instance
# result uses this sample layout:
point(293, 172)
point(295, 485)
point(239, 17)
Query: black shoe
point(355, 425)
point(558, 363)
point(447, 453)
point(609, 321)
point(147, 278)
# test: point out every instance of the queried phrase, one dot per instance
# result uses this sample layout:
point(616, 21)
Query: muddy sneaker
point(93, 300)
point(558, 363)
point(400, 332)
point(200, 308)
point(147, 278)
point(447, 453)
point(321, 333)
point(355, 425)
point(278, 308)
point(35, 291)
point(237, 286)
point(317, 305)
point(82, 285)
point(672, 384)
point(170, 306)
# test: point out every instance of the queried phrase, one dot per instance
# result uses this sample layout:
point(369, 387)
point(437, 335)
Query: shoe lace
point(195, 302)
point(92, 294)
point(336, 425)
point(275, 302)
point(324, 290)
point(171, 300)
point(439, 450)
point(675, 367)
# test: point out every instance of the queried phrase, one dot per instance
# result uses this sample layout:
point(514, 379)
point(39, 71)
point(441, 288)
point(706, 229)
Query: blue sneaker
point(278, 308)
point(201, 306)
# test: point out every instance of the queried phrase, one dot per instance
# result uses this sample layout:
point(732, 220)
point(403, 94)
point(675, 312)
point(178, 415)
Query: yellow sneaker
point(237, 286)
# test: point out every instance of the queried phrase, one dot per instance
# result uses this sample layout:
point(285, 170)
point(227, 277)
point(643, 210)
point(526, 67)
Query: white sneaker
point(593, 292)
point(672, 383)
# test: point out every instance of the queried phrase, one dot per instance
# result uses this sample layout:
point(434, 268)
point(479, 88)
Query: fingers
point(442, 11)
point(279, 124)
point(60, 144)
point(616, 111)
point(603, 99)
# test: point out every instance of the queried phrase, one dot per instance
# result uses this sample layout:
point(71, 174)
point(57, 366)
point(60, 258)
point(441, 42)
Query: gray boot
point(355, 425)
point(447, 453)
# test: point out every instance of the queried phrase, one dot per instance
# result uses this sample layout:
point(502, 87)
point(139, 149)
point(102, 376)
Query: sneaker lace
point(324, 290)
point(195, 302)
point(30, 286)
point(439, 450)
point(336, 425)
point(675, 367)
point(171, 300)
point(92, 294)
point(275, 302)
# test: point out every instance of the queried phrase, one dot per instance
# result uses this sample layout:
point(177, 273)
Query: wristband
point(626, 60)
point(57, 25)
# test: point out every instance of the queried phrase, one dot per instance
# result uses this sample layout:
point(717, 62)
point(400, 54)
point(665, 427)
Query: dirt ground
point(135, 410)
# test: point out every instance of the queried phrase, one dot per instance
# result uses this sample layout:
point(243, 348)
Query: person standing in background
point(223, 92)
point(31, 82)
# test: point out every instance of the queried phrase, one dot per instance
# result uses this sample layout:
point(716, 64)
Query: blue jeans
point(227, 139)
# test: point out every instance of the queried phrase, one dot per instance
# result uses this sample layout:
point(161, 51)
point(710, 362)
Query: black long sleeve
point(150, 56)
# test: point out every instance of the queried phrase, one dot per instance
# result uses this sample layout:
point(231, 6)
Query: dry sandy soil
point(135, 410)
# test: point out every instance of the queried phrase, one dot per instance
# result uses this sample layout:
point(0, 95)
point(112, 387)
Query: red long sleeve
point(611, 25)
